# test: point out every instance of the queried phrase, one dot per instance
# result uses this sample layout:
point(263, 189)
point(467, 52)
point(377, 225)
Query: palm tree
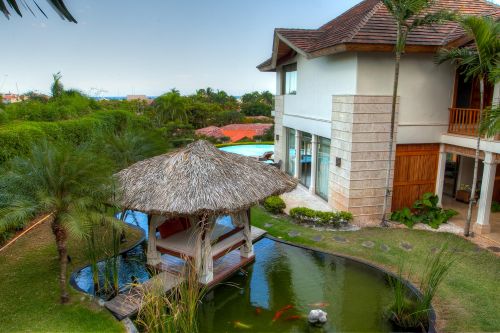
point(490, 125)
point(57, 88)
point(58, 6)
point(70, 183)
point(170, 107)
point(131, 146)
point(478, 61)
point(408, 15)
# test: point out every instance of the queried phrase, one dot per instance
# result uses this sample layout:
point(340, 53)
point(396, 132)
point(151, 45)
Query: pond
point(249, 150)
point(276, 293)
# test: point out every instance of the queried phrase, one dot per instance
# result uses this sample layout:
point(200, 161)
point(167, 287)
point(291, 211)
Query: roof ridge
point(363, 21)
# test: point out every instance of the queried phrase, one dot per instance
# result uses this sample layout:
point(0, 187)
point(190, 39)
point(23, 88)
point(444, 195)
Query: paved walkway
point(301, 197)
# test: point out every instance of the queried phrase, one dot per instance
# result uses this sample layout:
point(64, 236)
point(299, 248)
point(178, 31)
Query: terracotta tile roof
point(369, 23)
point(235, 132)
point(212, 131)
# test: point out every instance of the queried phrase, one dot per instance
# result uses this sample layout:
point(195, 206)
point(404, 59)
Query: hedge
point(17, 137)
point(274, 204)
point(307, 215)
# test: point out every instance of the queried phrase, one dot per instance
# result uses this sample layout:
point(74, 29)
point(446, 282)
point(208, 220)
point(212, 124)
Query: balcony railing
point(464, 121)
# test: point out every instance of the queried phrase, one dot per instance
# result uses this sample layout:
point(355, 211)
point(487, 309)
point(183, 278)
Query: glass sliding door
point(305, 159)
point(322, 167)
point(290, 151)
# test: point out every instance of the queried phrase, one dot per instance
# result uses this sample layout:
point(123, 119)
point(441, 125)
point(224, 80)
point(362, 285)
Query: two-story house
point(333, 109)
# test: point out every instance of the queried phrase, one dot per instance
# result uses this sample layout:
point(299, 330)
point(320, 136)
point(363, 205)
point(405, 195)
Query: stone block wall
point(360, 138)
point(279, 145)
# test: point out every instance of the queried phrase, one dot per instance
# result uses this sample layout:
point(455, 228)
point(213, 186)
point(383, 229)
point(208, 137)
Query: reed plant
point(175, 310)
point(408, 311)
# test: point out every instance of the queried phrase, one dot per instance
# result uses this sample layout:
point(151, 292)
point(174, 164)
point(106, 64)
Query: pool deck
point(127, 304)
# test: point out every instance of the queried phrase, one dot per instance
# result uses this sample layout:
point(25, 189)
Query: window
point(289, 82)
point(322, 167)
point(290, 143)
point(305, 158)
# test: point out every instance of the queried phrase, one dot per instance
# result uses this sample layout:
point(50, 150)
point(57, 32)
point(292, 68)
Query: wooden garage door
point(415, 173)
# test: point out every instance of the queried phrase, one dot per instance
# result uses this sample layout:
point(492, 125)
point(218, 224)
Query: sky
point(122, 47)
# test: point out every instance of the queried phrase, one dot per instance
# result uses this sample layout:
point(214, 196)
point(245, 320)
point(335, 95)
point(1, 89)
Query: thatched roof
point(200, 179)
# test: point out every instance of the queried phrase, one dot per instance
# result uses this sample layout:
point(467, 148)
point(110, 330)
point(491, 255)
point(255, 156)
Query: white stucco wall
point(425, 90)
point(310, 110)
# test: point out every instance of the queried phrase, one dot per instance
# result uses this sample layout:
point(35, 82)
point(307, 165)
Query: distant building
point(139, 98)
point(12, 98)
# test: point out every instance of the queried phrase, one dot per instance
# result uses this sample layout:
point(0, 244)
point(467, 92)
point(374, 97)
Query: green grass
point(29, 292)
point(467, 300)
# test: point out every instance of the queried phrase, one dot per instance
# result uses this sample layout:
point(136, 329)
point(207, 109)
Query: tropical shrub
point(426, 211)
point(274, 204)
point(307, 215)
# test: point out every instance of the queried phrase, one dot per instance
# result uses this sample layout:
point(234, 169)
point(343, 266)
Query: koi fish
point(280, 312)
point(239, 324)
point(292, 318)
point(258, 311)
point(320, 305)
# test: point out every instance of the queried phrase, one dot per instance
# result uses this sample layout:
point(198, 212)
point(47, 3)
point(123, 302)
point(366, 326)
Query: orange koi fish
point(320, 305)
point(292, 318)
point(239, 324)
point(280, 312)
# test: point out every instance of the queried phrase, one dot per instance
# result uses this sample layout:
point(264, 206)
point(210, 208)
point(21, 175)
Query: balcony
point(463, 121)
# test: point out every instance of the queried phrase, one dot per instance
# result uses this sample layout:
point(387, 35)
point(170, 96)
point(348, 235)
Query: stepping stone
point(495, 249)
point(293, 233)
point(339, 239)
point(385, 248)
point(268, 225)
point(406, 246)
point(317, 238)
point(368, 244)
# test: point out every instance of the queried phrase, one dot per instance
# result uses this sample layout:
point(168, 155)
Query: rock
point(317, 317)
point(368, 244)
point(293, 233)
point(339, 239)
point(406, 246)
point(385, 248)
point(317, 238)
point(100, 302)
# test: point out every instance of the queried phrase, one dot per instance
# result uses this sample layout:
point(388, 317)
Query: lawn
point(469, 298)
point(29, 291)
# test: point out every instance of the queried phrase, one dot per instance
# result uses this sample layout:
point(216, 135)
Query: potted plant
point(463, 193)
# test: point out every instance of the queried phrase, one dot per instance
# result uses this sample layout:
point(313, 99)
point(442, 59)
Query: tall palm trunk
point(61, 240)
point(391, 135)
point(472, 200)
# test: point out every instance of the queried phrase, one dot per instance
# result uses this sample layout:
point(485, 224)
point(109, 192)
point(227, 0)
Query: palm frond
point(490, 125)
point(58, 5)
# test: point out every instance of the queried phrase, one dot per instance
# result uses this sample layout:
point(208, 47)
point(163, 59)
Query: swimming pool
point(249, 150)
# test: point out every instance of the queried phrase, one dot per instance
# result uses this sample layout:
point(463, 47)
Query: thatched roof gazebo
point(200, 183)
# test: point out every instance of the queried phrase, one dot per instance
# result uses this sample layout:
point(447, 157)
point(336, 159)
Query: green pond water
point(295, 281)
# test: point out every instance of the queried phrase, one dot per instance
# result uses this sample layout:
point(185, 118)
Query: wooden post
point(204, 259)
point(153, 256)
point(246, 251)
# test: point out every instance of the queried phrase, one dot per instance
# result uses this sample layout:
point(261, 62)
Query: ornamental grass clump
point(274, 204)
point(410, 313)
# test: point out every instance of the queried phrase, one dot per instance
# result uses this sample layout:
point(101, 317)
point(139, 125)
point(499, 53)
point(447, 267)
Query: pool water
point(249, 150)
point(298, 280)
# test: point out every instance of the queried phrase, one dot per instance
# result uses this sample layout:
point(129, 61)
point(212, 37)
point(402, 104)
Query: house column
point(203, 257)
point(314, 161)
point(440, 174)
point(297, 154)
point(153, 256)
point(482, 225)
